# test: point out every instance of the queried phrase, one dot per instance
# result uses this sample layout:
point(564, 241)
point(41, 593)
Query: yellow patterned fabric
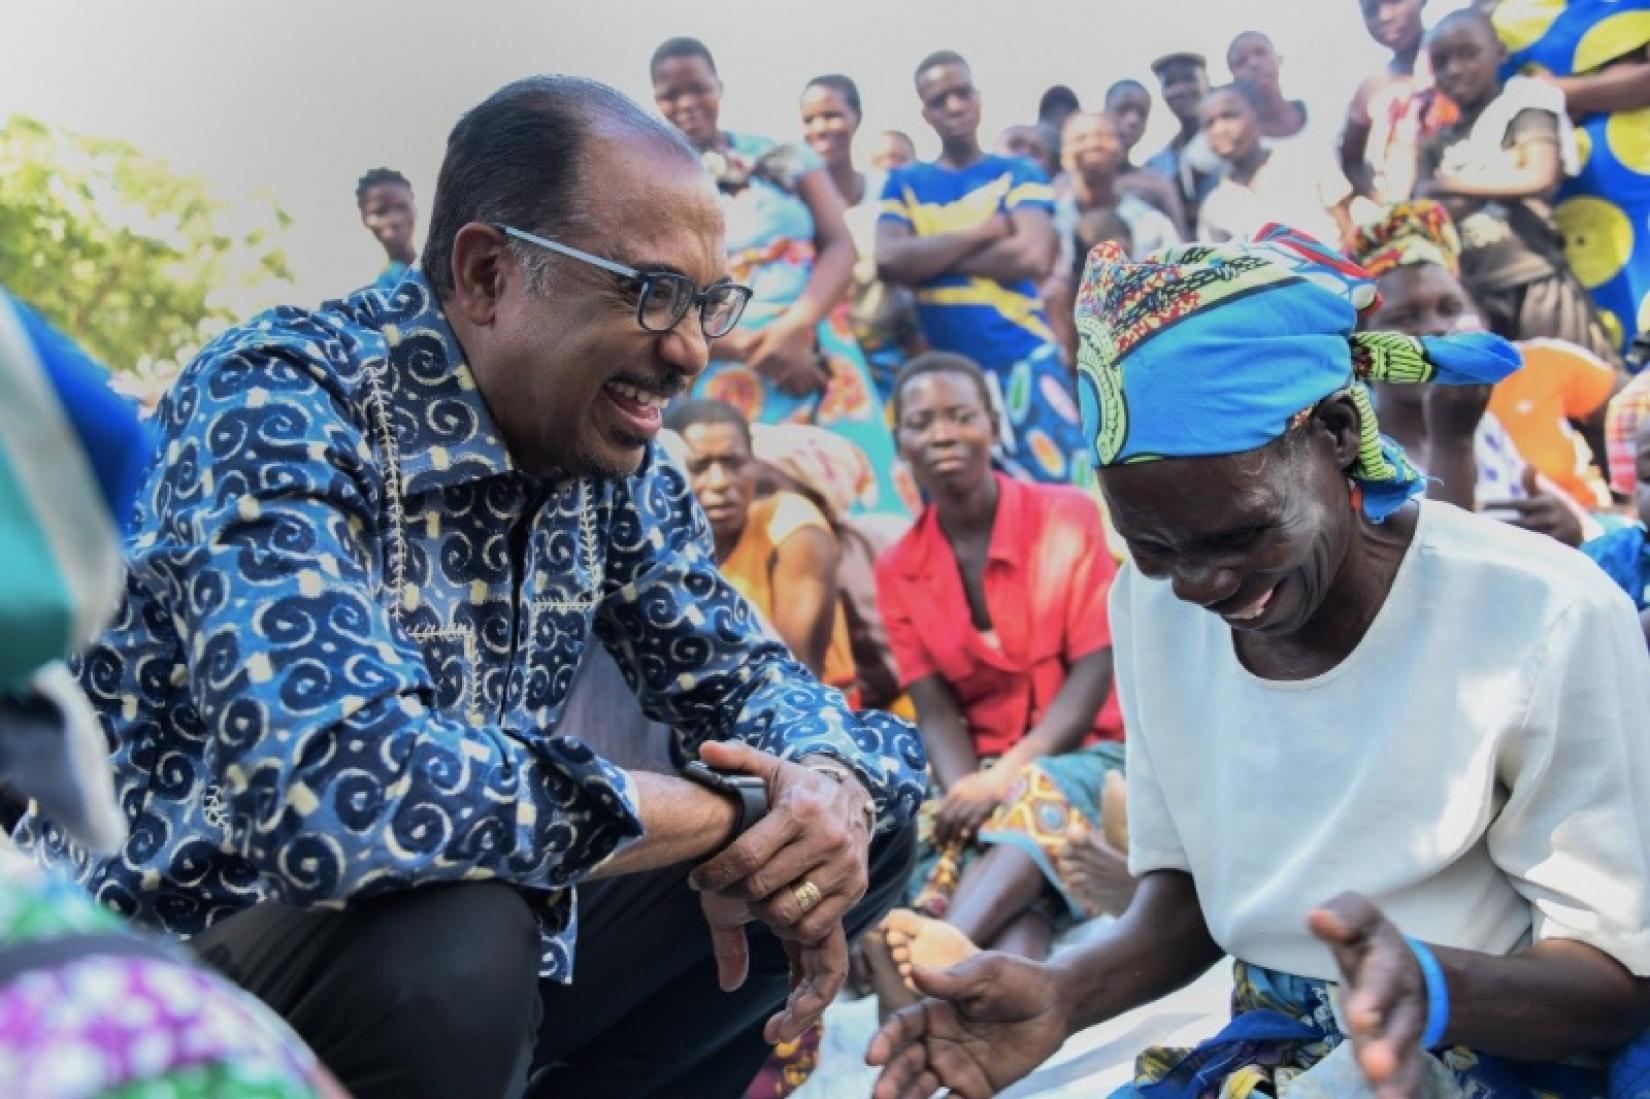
point(1409, 234)
point(1048, 798)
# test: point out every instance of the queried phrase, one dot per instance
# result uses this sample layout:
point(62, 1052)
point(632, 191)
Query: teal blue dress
point(770, 243)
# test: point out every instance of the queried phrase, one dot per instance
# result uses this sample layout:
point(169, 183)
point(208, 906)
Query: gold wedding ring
point(807, 895)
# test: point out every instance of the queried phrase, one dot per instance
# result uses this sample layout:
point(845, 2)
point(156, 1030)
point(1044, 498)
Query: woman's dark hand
point(966, 806)
point(1544, 511)
point(787, 353)
point(985, 1023)
point(1544, 514)
point(1383, 993)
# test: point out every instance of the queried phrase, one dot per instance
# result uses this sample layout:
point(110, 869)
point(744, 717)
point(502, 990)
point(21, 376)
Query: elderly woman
point(1389, 755)
point(792, 359)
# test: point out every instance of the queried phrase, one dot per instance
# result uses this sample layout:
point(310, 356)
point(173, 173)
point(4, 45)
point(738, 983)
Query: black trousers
point(434, 992)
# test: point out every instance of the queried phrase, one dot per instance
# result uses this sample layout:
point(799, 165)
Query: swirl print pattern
point(351, 626)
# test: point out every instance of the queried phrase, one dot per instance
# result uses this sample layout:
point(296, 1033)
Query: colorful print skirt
point(1042, 437)
point(848, 407)
point(1285, 1040)
point(88, 1009)
point(1047, 799)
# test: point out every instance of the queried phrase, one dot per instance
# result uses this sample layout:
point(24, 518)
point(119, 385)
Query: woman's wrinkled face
point(689, 95)
point(1257, 538)
point(945, 432)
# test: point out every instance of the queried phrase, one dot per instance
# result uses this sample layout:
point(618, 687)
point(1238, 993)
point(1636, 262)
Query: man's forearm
point(1159, 945)
point(1521, 183)
point(1622, 87)
point(912, 261)
point(681, 821)
point(1008, 260)
point(829, 280)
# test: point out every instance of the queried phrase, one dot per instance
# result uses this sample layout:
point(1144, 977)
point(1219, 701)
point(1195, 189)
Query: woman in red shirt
point(995, 607)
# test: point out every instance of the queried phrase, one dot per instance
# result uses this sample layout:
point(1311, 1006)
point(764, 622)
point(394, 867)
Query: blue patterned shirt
point(351, 625)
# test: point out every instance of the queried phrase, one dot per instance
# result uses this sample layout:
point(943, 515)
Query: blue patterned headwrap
point(1219, 349)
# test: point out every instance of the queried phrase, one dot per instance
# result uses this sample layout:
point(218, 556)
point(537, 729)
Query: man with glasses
point(972, 234)
point(377, 543)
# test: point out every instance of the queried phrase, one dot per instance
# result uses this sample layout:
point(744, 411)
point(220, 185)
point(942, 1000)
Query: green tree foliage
point(119, 251)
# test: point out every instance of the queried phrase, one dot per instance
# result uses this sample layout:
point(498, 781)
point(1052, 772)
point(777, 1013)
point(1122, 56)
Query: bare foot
point(1095, 873)
point(915, 939)
point(892, 993)
point(1114, 810)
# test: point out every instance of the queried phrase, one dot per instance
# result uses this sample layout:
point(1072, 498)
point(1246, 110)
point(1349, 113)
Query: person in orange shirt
point(995, 607)
point(1561, 384)
point(779, 551)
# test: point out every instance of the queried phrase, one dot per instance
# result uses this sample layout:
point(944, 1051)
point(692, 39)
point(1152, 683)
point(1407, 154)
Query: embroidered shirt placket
point(394, 505)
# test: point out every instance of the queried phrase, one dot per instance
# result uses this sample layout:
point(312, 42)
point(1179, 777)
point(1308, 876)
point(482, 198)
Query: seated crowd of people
point(849, 581)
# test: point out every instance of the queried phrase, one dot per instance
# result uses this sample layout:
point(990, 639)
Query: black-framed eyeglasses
point(663, 297)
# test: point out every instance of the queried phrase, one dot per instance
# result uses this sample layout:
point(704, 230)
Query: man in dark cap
point(1183, 79)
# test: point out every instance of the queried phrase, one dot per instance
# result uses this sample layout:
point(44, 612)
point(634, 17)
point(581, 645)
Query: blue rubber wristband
point(1437, 993)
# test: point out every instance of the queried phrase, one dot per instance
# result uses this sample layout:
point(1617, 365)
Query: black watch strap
point(748, 792)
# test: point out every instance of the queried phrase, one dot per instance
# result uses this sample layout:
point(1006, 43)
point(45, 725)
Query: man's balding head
point(518, 158)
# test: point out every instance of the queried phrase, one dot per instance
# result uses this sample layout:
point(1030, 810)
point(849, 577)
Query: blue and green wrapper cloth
point(72, 452)
point(1201, 350)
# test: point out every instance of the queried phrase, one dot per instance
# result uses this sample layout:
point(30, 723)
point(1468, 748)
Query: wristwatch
point(748, 792)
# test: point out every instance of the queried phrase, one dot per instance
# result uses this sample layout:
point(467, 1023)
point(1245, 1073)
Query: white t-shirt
point(862, 224)
point(1296, 186)
point(1149, 227)
point(1479, 766)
